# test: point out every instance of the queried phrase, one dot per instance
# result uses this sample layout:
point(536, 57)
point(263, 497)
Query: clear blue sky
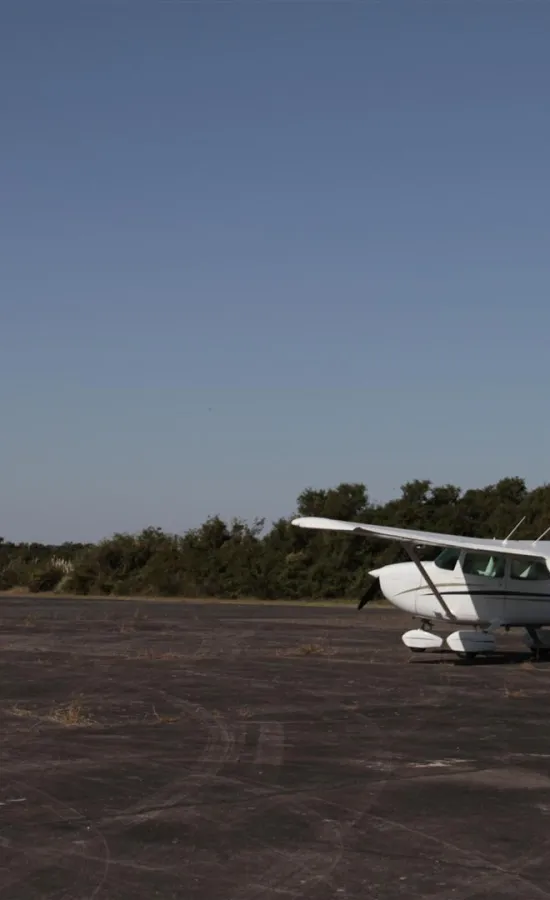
point(248, 247)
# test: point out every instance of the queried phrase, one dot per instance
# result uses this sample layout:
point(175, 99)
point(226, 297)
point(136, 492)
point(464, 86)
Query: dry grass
point(152, 655)
point(71, 714)
point(310, 649)
point(75, 715)
point(22, 712)
point(509, 693)
point(163, 719)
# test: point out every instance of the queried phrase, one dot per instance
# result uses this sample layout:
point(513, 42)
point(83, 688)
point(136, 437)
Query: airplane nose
point(397, 582)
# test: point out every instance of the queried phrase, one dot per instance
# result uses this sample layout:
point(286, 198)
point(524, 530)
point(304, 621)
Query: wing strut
point(411, 550)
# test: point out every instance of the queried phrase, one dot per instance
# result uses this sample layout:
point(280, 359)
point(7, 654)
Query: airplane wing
point(435, 539)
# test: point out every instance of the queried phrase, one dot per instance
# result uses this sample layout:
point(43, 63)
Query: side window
point(484, 564)
point(447, 559)
point(529, 570)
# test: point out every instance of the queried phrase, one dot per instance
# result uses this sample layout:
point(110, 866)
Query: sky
point(251, 247)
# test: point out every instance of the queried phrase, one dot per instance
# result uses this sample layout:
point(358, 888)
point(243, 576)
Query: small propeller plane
point(482, 583)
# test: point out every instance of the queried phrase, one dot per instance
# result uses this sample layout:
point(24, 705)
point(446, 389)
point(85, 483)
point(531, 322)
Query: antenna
point(544, 533)
point(513, 531)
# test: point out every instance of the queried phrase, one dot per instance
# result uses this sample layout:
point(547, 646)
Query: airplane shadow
point(498, 658)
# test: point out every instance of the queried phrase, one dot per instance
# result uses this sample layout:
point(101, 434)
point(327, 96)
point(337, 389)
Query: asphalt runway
point(239, 752)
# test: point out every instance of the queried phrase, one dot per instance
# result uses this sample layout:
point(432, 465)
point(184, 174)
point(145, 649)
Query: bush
point(237, 559)
point(9, 578)
point(45, 579)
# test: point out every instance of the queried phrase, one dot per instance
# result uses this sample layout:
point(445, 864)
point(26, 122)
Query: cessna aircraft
point(484, 583)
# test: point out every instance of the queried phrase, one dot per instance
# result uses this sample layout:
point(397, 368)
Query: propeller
point(369, 594)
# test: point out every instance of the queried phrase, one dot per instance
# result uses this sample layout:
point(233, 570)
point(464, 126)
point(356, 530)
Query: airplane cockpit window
point(528, 569)
point(447, 559)
point(484, 564)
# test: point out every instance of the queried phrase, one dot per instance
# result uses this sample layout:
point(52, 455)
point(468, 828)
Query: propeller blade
point(369, 594)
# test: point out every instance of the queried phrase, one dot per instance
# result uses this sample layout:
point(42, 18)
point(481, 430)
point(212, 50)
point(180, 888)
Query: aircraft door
point(483, 594)
point(527, 591)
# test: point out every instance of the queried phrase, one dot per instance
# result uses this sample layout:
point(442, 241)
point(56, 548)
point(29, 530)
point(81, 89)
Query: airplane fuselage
point(473, 588)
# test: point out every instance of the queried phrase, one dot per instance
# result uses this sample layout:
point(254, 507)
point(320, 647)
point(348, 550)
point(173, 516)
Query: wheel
point(469, 655)
point(417, 649)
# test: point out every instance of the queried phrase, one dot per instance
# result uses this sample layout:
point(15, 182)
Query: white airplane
point(478, 582)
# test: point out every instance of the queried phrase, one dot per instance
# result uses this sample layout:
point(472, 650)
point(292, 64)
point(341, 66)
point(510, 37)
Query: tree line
point(241, 559)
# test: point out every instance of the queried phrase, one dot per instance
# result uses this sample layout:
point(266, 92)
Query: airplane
point(483, 583)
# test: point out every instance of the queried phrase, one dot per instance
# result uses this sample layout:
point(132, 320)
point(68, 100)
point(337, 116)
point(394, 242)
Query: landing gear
point(466, 644)
point(469, 643)
point(420, 639)
point(538, 641)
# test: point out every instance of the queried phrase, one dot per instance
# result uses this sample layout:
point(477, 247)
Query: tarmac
point(238, 752)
